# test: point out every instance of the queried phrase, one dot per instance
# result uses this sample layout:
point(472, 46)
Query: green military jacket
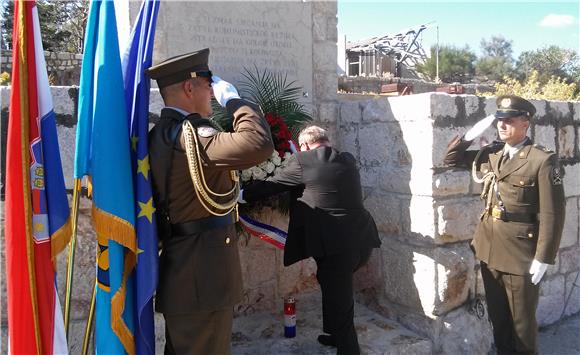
point(529, 189)
point(202, 271)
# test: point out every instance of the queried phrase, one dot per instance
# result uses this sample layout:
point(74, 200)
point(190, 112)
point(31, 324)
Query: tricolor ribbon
point(267, 233)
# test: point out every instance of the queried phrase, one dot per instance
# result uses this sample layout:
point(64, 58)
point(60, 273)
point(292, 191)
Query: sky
point(530, 25)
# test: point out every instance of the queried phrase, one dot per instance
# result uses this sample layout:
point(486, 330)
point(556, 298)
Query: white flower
point(275, 159)
point(287, 155)
point(270, 167)
point(258, 173)
point(247, 175)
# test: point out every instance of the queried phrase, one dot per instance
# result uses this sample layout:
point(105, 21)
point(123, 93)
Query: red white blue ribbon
point(267, 233)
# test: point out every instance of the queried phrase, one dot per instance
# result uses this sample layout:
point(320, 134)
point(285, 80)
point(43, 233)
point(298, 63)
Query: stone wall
point(425, 275)
point(63, 68)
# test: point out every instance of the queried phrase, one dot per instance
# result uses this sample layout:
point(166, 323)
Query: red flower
point(280, 133)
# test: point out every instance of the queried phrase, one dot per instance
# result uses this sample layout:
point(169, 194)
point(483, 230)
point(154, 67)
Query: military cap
point(180, 68)
point(513, 106)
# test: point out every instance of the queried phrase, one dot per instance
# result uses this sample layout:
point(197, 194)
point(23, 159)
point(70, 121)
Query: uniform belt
point(204, 224)
point(520, 217)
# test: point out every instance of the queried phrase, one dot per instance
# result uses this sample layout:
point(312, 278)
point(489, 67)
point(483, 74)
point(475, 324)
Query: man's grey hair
point(313, 134)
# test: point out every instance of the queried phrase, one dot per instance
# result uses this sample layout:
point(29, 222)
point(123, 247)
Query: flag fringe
point(114, 228)
point(60, 239)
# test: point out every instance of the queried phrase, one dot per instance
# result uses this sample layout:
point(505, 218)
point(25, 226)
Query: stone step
point(263, 332)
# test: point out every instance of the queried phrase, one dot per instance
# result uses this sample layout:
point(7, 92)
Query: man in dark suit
point(521, 225)
point(328, 222)
point(194, 169)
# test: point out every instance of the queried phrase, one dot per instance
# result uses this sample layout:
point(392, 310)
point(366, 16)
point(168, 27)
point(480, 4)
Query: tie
point(504, 160)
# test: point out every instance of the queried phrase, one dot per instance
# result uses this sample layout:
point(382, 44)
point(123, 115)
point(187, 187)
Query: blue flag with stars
point(137, 58)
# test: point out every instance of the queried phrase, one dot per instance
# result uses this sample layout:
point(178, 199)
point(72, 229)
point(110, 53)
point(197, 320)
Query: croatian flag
point(37, 213)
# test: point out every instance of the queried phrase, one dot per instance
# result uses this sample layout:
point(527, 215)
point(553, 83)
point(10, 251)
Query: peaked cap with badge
point(179, 68)
point(513, 106)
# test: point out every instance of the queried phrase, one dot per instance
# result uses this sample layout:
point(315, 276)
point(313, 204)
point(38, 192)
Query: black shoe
point(326, 340)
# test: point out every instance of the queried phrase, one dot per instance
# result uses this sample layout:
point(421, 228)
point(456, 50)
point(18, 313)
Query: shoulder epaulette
point(542, 148)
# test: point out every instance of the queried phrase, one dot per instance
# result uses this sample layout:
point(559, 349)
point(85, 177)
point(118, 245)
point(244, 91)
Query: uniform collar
point(183, 112)
point(512, 150)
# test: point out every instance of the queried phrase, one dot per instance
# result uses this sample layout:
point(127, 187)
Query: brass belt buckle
point(498, 212)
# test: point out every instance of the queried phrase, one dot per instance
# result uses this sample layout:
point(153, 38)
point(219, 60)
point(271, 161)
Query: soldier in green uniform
point(521, 225)
point(195, 180)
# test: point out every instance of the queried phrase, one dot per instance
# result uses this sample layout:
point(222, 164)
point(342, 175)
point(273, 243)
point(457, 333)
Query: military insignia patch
point(556, 176)
point(206, 131)
point(505, 102)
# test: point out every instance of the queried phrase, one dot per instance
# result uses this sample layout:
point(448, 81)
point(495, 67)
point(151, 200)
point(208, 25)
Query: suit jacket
point(328, 216)
point(529, 184)
point(202, 271)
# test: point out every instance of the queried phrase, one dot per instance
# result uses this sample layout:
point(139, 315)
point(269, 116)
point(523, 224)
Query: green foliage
point(493, 68)
point(62, 24)
point(554, 89)
point(4, 78)
point(455, 64)
point(273, 93)
point(549, 62)
point(497, 46)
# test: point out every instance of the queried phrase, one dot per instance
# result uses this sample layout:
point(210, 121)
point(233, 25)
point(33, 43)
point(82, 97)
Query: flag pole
point(89, 326)
point(71, 254)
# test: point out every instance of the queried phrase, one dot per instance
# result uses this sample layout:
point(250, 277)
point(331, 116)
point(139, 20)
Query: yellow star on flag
point(134, 140)
point(147, 210)
point(143, 167)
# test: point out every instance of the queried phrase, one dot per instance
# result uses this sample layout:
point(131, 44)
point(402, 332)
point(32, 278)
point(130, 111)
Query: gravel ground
point(562, 338)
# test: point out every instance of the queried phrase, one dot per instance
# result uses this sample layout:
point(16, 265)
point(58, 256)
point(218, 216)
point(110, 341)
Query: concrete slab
point(263, 333)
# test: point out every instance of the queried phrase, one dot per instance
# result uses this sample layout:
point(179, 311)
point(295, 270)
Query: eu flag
point(137, 58)
point(103, 154)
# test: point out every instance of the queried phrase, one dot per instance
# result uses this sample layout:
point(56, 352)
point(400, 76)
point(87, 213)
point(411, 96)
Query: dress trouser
point(200, 333)
point(334, 274)
point(511, 302)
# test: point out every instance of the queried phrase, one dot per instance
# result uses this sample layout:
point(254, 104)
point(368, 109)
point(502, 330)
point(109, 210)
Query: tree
point(62, 24)
point(455, 64)
point(497, 61)
point(497, 46)
point(549, 61)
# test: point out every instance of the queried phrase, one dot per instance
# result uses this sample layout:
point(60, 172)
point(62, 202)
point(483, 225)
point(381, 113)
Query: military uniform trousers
point(511, 302)
point(200, 282)
point(334, 274)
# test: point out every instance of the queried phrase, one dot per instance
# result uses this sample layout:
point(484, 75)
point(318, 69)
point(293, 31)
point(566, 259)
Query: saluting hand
point(223, 91)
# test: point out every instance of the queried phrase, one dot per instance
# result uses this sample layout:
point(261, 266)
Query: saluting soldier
point(195, 180)
point(521, 225)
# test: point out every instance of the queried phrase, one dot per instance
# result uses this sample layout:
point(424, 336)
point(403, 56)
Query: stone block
point(551, 300)
point(348, 140)
point(369, 176)
point(67, 144)
point(421, 217)
point(546, 136)
point(570, 260)
point(63, 103)
point(429, 281)
point(324, 58)
point(572, 294)
point(376, 110)
point(540, 106)
point(571, 224)
point(566, 141)
point(386, 211)
point(325, 84)
point(417, 136)
point(4, 97)
point(471, 105)
point(351, 111)
point(439, 142)
point(461, 332)
point(411, 107)
point(297, 278)
point(449, 183)
point(444, 106)
point(258, 266)
point(571, 181)
point(394, 179)
point(490, 105)
point(257, 299)
point(155, 102)
point(576, 107)
point(560, 110)
point(374, 150)
point(327, 112)
point(457, 219)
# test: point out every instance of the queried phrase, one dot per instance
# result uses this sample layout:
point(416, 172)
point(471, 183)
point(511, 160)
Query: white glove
point(241, 197)
point(223, 91)
point(537, 270)
point(293, 148)
point(479, 128)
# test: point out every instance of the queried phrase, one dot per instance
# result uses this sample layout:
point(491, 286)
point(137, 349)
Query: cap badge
point(505, 102)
